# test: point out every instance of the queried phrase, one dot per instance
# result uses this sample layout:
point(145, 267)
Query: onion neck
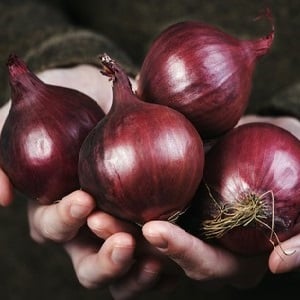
point(22, 81)
point(262, 46)
point(23, 87)
point(122, 88)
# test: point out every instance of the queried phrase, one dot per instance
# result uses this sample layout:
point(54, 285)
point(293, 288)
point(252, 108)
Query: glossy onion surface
point(143, 161)
point(202, 72)
point(250, 193)
point(42, 134)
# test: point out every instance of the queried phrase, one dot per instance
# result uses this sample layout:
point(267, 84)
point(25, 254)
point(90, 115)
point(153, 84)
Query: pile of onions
point(142, 161)
point(203, 72)
point(249, 198)
point(43, 133)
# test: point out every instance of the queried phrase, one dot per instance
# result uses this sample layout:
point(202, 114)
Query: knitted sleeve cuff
point(48, 41)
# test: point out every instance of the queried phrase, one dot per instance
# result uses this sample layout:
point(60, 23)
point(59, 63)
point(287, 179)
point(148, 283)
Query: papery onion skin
point(255, 160)
point(202, 72)
point(43, 133)
point(143, 161)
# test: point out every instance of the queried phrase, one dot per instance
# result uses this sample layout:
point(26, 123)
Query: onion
point(42, 135)
point(202, 72)
point(143, 161)
point(249, 198)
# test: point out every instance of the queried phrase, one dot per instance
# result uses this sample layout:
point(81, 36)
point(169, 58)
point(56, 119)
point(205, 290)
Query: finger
point(286, 257)
point(6, 196)
point(105, 225)
point(141, 278)
point(97, 269)
point(59, 221)
point(199, 260)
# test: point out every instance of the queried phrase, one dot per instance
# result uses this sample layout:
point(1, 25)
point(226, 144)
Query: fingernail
point(289, 251)
point(121, 255)
point(156, 240)
point(79, 211)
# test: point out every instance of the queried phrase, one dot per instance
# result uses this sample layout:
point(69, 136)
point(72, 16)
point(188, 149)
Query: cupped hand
point(144, 268)
point(162, 253)
point(97, 261)
point(209, 265)
point(59, 222)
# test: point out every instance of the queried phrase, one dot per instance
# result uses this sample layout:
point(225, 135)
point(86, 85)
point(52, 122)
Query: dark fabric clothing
point(44, 37)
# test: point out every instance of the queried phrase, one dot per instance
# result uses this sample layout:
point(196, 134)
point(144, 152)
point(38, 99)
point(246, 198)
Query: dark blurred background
point(31, 271)
point(138, 22)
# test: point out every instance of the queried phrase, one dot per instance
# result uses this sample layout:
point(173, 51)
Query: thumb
point(286, 257)
point(199, 260)
point(60, 221)
point(202, 261)
point(6, 196)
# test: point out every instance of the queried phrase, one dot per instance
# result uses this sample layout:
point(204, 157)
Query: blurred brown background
point(31, 271)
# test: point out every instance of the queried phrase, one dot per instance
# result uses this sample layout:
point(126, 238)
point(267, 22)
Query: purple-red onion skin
point(259, 159)
point(42, 135)
point(202, 72)
point(143, 161)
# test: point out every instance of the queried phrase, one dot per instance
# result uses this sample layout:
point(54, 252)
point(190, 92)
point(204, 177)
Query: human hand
point(141, 267)
point(96, 262)
point(161, 254)
point(6, 196)
point(61, 221)
point(210, 266)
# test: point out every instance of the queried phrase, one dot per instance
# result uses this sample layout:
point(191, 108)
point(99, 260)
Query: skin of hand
point(125, 258)
point(64, 221)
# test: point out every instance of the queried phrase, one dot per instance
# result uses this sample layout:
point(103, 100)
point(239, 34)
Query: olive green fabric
point(45, 39)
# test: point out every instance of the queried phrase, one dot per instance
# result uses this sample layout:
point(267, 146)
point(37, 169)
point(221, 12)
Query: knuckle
point(35, 236)
point(195, 265)
point(88, 282)
point(51, 233)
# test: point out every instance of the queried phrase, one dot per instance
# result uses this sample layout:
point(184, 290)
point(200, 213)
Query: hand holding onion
point(62, 221)
point(196, 258)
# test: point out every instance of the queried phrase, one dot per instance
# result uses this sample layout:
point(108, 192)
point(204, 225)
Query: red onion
point(143, 161)
point(42, 134)
point(202, 72)
point(250, 194)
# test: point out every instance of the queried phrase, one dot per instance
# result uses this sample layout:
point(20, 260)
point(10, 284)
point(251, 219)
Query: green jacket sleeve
point(45, 39)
